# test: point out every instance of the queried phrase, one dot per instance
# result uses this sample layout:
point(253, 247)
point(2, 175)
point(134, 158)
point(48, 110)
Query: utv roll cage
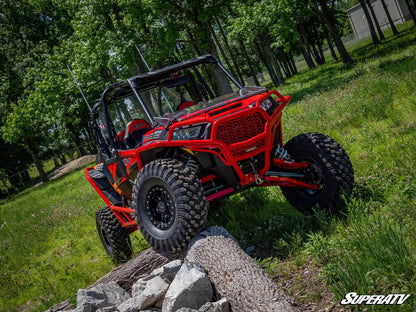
point(142, 82)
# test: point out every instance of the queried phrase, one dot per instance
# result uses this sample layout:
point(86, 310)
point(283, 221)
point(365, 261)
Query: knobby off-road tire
point(329, 167)
point(169, 204)
point(113, 236)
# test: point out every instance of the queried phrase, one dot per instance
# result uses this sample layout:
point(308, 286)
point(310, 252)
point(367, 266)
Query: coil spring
point(282, 153)
point(192, 164)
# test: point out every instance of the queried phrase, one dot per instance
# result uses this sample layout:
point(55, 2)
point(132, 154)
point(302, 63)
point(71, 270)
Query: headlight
point(266, 104)
point(190, 132)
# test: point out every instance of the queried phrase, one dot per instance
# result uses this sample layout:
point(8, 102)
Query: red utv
point(175, 139)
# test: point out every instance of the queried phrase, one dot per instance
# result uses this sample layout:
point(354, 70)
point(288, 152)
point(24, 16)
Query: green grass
point(49, 247)
point(370, 109)
point(48, 244)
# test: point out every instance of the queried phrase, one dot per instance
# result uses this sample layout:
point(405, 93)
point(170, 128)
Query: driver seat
point(135, 130)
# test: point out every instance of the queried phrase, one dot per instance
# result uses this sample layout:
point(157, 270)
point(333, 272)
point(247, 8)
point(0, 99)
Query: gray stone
point(146, 293)
point(101, 296)
point(190, 288)
point(168, 271)
point(108, 309)
point(218, 306)
point(186, 310)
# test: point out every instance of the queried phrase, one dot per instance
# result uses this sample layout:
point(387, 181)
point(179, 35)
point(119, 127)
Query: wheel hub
point(160, 207)
point(313, 175)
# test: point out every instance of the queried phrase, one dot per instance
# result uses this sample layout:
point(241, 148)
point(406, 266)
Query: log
point(128, 273)
point(141, 265)
point(235, 275)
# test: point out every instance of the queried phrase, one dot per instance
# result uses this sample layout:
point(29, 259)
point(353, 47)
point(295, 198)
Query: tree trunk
point(36, 160)
point(25, 176)
point(331, 48)
point(292, 64)
point(264, 58)
point(63, 159)
point(14, 178)
point(250, 66)
point(369, 22)
point(276, 66)
point(55, 162)
point(230, 51)
point(222, 83)
point(217, 42)
point(306, 56)
point(284, 63)
point(412, 14)
point(235, 275)
point(380, 32)
point(320, 52)
point(330, 20)
point(393, 27)
point(307, 46)
point(5, 185)
point(76, 139)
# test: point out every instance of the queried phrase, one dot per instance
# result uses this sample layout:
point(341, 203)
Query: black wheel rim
point(313, 174)
point(160, 207)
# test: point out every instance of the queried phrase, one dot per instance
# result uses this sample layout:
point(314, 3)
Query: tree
point(369, 22)
point(331, 23)
point(393, 27)
point(380, 32)
point(411, 11)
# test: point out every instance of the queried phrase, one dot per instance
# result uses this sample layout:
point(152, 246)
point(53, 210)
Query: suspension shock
point(282, 153)
point(192, 164)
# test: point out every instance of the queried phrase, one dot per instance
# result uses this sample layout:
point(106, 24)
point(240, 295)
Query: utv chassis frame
point(233, 166)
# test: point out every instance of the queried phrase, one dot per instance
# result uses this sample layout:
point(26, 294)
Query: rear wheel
point(113, 236)
point(329, 167)
point(169, 204)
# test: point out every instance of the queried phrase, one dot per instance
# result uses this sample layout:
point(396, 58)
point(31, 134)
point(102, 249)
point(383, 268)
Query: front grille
point(241, 128)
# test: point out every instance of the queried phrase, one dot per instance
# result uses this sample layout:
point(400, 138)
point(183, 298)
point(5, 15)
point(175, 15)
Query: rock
point(108, 309)
point(186, 310)
point(190, 288)
point(145, 294)
point(102, 296)
point(218, 306)
point(168, 271)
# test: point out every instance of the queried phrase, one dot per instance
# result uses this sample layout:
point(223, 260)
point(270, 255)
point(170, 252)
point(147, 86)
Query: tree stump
point(235, 275)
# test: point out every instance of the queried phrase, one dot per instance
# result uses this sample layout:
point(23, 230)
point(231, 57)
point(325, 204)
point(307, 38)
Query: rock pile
point(176, 286)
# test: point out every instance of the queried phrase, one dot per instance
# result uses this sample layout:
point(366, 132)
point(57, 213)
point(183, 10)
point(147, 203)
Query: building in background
point(397, 8)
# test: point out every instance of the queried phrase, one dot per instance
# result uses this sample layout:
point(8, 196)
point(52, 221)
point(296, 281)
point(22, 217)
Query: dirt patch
point(306, 285)
point(67, 168)
point(72, 165)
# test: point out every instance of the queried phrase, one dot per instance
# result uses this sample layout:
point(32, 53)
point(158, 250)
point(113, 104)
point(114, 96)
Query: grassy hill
point(49, 247)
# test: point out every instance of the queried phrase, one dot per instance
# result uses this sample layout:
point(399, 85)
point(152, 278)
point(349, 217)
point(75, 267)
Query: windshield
point(120, 112)
point(191, 89)
point(165, 95)
point(201, 107)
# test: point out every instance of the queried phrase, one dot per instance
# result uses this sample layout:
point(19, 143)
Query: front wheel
point(329, 167)
point(113, 236)
point(169, 204)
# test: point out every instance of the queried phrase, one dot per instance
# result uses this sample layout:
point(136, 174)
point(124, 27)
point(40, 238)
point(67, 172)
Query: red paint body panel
point(240, 130)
